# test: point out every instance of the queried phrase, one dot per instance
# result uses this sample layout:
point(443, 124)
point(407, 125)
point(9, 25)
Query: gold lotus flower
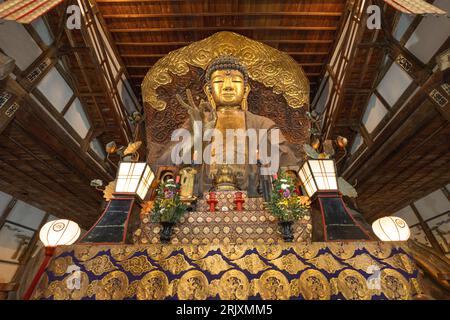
point(132, 147)
point(109, 190)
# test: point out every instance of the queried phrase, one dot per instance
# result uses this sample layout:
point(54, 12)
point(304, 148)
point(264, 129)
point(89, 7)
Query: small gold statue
point(187, 180)
point(225, 179)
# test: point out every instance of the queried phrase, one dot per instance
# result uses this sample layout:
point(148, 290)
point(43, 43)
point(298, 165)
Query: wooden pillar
point(434, 243)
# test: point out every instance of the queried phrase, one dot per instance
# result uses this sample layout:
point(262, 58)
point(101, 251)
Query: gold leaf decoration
point(290, 263)
point(112, 287)
point(353, 285)
point(270, 252)
point(394, 285)
point(121, 253)
point(109, 190)
point(175, 264)
point(196, 252)
point(153, 286)
point(314, 285)
point(99, 265)
point(213, 264)
point(132, 288)
point(327, 262)
point(85, 253)
point(273, 285)
point(57, 290)
point(363, 262)
point(158, 251)
point(132, 147)
point(59, 266)
point(137, 265)
point(343, 250)
point(307, 250)
point(265, 64)
point(234, 285)
point(401, 261)
point(252, 263)
point(193, 285)
point(381, 250)
point(233, 251)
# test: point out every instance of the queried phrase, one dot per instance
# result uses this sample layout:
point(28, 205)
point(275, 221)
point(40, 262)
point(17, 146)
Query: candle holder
point(212, 201)
point(238, 200)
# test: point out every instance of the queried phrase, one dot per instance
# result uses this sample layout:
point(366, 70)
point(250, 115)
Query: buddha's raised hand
point(203, 112)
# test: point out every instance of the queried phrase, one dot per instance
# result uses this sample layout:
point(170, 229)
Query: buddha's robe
point(248, 177)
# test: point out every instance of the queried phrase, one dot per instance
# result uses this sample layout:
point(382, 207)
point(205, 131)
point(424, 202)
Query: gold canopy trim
point(267, 65)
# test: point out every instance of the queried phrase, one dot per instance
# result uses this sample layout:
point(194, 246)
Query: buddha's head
point(227, 84)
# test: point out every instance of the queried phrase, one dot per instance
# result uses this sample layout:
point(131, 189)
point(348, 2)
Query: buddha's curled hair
point(226, 63)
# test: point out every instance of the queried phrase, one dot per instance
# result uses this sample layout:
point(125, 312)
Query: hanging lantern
point(391, 229)
point(59, 232)
point(318, 175)
point(54, 233)
point(134, 178)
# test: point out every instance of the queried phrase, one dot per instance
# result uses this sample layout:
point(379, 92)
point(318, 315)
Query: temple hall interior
point(224, 150)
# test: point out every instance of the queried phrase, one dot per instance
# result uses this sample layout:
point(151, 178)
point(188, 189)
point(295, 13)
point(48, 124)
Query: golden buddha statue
point(227, 88)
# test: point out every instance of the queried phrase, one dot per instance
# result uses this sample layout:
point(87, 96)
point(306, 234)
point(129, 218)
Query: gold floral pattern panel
point(319, 271)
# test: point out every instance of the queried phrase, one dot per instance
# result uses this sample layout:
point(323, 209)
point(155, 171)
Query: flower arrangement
point(287, 203)
point(168, 206)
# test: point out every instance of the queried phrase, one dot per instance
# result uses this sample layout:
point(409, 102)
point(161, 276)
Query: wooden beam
point(45, 169)
point(427, 231)
point(148, 66)
point(185, 43)
point(160, 55)
point(137, 1)
point(222, 28)
point(221, 14)
point(139, 76)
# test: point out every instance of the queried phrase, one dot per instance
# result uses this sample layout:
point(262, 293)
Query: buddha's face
point(227, 88)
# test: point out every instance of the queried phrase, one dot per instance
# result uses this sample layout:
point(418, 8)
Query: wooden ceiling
point(407, 156)
point(146, 30)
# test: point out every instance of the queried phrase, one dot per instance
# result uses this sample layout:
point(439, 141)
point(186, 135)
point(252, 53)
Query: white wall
point(394, 83)
point(17, 43)
point(55, 89)
point(77, 118)
point(375, 112)
point(430, 34)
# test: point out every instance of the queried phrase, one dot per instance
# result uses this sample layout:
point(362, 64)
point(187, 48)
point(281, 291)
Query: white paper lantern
point(391, 229)
point(59, 233)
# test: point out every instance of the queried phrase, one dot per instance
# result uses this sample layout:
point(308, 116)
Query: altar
point(253, 225)
point(319, 271)
point(205, 217)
